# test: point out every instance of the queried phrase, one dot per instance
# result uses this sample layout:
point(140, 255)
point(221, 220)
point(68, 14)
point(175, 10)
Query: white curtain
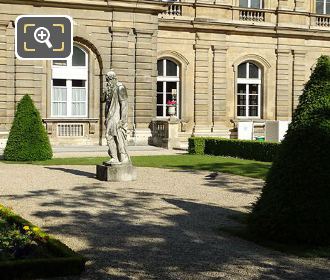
point(79, 99)
point(59, 101)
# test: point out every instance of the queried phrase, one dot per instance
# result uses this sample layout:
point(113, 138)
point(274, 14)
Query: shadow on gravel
point(237, 184)
point(73, 171)
point(229, 182)
point(131, 234)
point(253, 170)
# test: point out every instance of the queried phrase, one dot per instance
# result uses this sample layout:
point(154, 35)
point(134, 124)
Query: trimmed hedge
point(245, 149)
point(66, 262)
point(196, 145)
point(294, 204)
point(28, 139)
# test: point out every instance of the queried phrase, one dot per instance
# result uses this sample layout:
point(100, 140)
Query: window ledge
point(67, 120)
point(248, 119)
point(165, 119)
point(257, 122)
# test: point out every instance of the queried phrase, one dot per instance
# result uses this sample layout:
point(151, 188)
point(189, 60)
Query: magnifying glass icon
point(41, 35)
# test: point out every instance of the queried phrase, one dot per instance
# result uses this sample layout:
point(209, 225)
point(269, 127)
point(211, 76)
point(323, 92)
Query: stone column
point(299, 76)
point(203, 120)
point(219, 88)
point(283, 85)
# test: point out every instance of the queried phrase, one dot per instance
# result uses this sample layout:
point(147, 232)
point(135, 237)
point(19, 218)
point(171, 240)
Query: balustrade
point(174, 9)
point(160, 129)
point(323, 21)
point(251, 15)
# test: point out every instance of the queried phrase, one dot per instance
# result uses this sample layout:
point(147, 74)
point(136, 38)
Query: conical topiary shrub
point(28, 139)
point(294, 206)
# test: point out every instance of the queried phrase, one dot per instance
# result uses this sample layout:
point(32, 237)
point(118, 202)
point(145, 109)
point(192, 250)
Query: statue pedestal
point(116, 172)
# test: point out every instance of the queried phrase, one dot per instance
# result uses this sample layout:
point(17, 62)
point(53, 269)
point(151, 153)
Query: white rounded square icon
point(43, 37)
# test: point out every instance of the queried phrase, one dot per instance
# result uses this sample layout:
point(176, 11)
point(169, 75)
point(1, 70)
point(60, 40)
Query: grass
point(248, 168)
point(300, 250)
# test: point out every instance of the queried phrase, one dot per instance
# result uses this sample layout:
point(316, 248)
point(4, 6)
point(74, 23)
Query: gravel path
point(163, 226)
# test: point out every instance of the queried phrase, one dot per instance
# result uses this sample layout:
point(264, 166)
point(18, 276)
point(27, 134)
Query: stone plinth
point(173, 133)
point(116, 173)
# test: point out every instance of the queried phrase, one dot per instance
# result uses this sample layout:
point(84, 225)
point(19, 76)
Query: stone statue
point(115, 98)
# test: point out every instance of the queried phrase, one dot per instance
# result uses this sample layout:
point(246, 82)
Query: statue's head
point(111, 76)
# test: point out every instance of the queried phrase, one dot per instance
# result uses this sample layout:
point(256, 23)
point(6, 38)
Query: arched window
point(69, 96)
point(248, 90)
point(323, 6)
point(168, 86)
point(256, 4)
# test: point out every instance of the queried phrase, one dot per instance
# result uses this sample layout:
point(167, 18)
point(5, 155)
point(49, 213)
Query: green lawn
point(249, 168)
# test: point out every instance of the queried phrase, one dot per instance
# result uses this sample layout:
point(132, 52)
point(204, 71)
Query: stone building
point(222, 61)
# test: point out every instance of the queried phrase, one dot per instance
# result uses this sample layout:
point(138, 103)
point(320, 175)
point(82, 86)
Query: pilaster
point(299, 75)
point(145, 78)
point(38, 86)
point(299, 6)
point(219, 86)
point(283, 85)
point(119, 51)
point(3, 61)
point(203, 118)
point(283, 5)
point(130, 78)
point(10, 74)
point(122, 62)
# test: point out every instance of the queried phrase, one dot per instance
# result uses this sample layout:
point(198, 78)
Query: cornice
point(283, 51)
point(198, 46)
point(298, 53)
point(4, 23)
point(220, 48)
point(207, 26)
point(124, 30)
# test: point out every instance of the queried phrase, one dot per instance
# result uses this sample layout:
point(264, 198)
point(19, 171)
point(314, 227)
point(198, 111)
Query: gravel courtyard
point(163, 226)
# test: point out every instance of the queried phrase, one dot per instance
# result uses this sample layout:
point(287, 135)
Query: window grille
point(70, 130)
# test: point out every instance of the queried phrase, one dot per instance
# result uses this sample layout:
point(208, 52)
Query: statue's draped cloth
point(113, 113)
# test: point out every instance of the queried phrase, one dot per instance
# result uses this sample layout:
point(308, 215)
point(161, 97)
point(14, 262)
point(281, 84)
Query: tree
point(28, 139)
point(294, 206)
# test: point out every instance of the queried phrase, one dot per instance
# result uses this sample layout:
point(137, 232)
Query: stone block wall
point(115, 35)
point(208, 40)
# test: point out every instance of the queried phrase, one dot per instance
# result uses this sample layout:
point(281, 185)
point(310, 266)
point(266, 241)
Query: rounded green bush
point(28, 139)
point(294, 206)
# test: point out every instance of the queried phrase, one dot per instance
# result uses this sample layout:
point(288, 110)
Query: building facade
point(221, 61)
